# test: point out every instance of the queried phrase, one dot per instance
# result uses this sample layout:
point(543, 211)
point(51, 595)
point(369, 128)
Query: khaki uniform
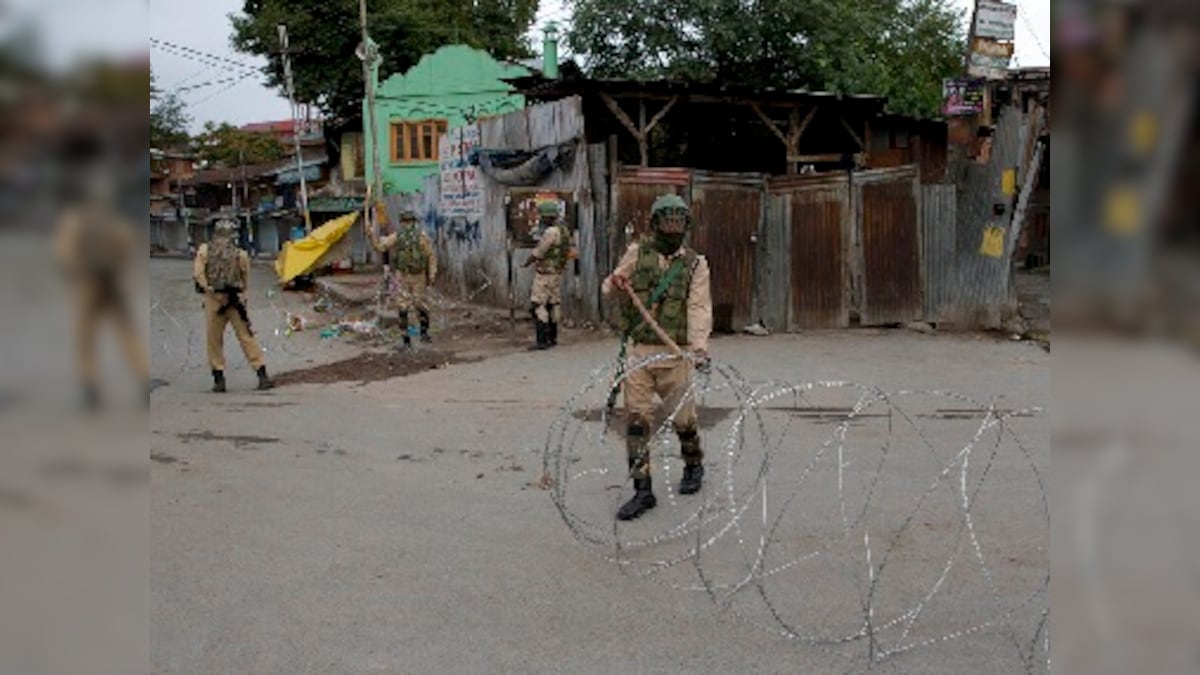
point(94, 246)
point(669, 379)
point(216, 320)
point(551, 254)
point(411, 276)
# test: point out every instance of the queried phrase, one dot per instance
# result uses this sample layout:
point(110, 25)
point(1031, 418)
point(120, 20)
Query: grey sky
point(203, 25)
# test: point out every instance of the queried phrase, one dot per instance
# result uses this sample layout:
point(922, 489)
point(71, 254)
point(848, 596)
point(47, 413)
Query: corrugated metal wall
point(939, 223)
point(888, 233)
point(980, 287)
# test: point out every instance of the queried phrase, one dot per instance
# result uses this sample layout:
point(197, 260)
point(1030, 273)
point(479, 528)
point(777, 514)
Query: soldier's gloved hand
point(703, 361)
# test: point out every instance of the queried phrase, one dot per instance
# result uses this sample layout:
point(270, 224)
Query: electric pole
point(291, 90)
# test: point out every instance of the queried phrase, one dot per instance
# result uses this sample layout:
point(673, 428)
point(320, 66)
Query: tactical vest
point(671, 311)
point(221, 267)
point(555, 259)
point(409, 255)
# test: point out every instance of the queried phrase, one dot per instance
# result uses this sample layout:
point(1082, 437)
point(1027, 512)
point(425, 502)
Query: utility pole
point(291, 90)
point(370, 59)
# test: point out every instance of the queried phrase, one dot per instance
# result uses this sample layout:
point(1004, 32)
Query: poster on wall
point(460, 196)
point(962, 96)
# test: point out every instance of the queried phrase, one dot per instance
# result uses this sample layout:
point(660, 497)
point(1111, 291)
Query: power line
point(207, 55)
point(1032, 32)
point(222, 89)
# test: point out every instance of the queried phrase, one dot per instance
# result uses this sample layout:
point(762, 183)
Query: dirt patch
point(374, 366)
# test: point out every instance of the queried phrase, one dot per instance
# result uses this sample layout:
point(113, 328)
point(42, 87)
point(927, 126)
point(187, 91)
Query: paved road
point(396, 527)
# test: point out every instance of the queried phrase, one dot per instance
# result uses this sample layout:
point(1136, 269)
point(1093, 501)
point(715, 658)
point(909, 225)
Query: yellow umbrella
point(302, 256)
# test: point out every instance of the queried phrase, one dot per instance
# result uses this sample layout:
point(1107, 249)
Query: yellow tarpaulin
point(301, 256)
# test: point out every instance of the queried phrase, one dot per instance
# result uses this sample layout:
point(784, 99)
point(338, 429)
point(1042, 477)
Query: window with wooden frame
point(416, 141)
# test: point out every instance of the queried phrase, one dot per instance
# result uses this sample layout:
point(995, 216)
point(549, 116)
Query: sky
point(203, 25)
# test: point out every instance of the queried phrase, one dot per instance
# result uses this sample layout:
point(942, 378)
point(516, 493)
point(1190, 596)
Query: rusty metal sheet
point(938, 224)
point(818, 281)
point(888, 224)
point(654, 175)
point(780, 184)
point(727, 213)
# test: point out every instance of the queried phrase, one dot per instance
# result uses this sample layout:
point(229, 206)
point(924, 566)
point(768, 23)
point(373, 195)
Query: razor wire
point(851, 492)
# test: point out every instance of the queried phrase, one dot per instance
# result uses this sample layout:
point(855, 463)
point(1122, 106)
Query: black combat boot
point(403, 316)
point(264, 380)
point(218, 381)
point(541, 332)
point(643, 500)
point(693, 462)
point(552, 333)
point(425, 326)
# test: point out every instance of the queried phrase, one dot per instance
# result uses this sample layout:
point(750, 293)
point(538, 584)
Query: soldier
point(550, 256)
point(222, 273)
point(93, 246)
point(412, 256)
point(672, 281)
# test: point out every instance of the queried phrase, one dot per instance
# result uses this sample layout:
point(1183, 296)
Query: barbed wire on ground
point(843, 520)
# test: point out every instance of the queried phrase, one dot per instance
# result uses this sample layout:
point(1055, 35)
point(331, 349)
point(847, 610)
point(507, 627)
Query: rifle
point(234, 301)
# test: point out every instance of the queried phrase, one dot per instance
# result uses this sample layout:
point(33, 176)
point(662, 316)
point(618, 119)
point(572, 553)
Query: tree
point(169, 119)
point(229, 146)
point(900, 49)
point(323, 35)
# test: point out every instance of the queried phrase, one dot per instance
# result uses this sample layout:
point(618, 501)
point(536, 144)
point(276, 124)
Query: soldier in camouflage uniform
point(222, 274)
point(412, 257)
point(550, 256)
point(672, 281)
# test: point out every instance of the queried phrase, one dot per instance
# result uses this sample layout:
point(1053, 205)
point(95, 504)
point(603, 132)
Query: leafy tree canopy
point(900, 49)
point(169, 119)
point(323, 34)
point(229, 146)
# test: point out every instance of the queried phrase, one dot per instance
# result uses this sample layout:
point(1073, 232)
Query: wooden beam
point(799, 130)
point(620, 114)
point(849, 129)
point(659, 115)
point(859, 157)
point(770, 125)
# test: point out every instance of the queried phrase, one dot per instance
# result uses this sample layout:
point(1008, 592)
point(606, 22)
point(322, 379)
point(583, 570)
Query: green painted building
point(446, 89)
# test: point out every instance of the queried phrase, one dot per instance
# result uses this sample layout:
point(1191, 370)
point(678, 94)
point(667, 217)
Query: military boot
point(425, 327)
point(407, 340)
point(541, 332)
point(218, 381)
point(642, 501)
point(693, 462)
point(552, 333)
point(264, 380)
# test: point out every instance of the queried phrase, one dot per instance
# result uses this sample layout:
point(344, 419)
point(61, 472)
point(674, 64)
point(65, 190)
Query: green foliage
point(228, 146)
point(323, 34)
point(169, 119)
point(900, 49)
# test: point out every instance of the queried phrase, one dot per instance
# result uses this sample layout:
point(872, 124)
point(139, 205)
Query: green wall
point(451, 83)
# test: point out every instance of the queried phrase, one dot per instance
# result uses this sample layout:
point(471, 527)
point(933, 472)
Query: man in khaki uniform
point(672, 281)
point(550, 256)
point(412, 257)
point(222, 273)
point(94, 245)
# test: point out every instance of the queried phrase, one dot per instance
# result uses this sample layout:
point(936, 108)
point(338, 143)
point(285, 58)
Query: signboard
point(995, 19)
point(460, 195)
point(962, 97)
point(989, 59)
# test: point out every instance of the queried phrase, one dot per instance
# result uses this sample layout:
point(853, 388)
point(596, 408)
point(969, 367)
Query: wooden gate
point(809, 244)
point(888, 235)
point(727, 211)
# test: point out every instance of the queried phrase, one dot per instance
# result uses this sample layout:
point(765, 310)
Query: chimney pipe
point(550, 52)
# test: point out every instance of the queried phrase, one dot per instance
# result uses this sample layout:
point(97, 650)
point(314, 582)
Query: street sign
point(994, 19)
point(989, 59)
